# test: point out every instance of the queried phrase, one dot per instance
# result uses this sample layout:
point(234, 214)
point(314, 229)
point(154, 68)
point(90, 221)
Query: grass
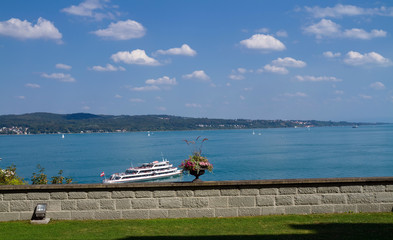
point(324, 226)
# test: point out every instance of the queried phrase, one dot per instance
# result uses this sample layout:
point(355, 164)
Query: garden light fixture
point(40, 211)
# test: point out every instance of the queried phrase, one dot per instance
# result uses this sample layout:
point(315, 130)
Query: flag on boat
point(102, 174)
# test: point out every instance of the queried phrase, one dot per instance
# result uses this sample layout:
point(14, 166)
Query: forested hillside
point(38, 123)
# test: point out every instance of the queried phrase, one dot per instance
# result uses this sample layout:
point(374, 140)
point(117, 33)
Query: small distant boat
point(62, 136)
point(355, 126)
point(148, 133)
point(253, 132)
point(146, 172)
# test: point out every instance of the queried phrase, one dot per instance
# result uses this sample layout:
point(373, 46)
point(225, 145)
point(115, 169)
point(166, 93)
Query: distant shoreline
point(82, 123)
point(33, 134)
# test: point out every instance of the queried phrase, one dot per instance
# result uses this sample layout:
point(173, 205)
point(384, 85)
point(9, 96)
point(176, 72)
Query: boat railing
point(150, 166)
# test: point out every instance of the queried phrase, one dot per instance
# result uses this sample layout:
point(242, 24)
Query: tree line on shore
point(49, 123)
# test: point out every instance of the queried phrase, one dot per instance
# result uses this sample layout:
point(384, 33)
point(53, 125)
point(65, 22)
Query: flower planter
point(196, 161)
point(197, 174)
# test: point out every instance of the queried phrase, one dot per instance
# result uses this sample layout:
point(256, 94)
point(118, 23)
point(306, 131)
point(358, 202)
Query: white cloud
point(282, 33)
point(238, 74)
point(242, 97)
point(21, 97)
point(330, 54)
point(122, 30)
point(243, 70)
point(280, 65)
point(162, 81)
point(136, 100)
point(107, 68)
point(118, 96)
point(289, 62)
point(137, 56)
point(377, 86)
point(366, 97)
point(90, 8)
point(59, 76)
point(32, 85)
point(340, 10)
point(275, 69)
point(183, 50)
point(297, 94)
point(328, 28)
point(263, 42)
point(85, 8)
point(236, 77)
point(337, 11)
point(153, 84)
point(63, 66)
point(145, 88)
point(193, 105)
point(199, 74)
point(262, 30)
point(324, 28)
point(362, 34)
point(86, 108)
point(26, 30)
point(317, 79)
point(358, 59)
point(339, 92)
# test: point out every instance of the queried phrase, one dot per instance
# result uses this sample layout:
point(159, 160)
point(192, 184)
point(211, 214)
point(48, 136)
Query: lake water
point(236, 154)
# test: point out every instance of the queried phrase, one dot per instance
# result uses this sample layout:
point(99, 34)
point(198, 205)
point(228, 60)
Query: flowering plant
point(8, 176)
point(196, 161)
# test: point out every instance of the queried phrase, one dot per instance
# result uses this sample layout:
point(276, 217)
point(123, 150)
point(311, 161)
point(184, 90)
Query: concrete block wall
point(206, 199)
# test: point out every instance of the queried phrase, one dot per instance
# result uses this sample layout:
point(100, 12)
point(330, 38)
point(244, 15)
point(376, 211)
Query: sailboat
point(62, 136)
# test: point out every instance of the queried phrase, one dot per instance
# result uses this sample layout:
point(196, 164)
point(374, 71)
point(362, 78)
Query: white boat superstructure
point(147, 171)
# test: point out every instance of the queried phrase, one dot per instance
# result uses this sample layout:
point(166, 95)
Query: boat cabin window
point(131, 171)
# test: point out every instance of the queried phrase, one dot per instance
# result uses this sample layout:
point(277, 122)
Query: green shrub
point(42, 178)
point(59, 179)
point(8, 176)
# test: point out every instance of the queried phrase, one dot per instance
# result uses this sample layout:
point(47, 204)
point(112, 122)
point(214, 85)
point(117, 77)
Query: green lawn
point(325, 226)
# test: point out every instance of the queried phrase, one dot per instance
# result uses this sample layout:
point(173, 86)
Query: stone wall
point(205, 199)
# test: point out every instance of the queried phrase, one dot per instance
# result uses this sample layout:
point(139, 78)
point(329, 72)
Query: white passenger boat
point(146, 172)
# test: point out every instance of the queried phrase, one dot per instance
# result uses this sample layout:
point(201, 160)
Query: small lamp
point(40, 211)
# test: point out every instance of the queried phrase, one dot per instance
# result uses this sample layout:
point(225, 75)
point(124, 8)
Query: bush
point(59, 179)
point(8, 176)
point(41, 177)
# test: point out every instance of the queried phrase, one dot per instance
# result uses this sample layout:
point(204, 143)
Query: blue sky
point(324, 60)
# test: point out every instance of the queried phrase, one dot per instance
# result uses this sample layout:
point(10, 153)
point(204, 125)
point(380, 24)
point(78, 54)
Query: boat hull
point(143, 178)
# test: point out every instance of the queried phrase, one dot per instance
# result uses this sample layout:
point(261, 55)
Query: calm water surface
point(235, 154)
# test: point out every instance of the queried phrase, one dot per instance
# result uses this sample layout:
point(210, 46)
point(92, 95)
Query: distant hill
point(38, 123)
